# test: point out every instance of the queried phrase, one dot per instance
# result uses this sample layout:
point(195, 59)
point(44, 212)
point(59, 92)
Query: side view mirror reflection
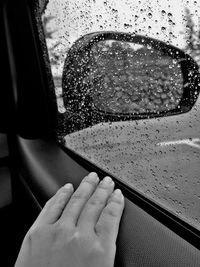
point(125, 77)
point(112, 76)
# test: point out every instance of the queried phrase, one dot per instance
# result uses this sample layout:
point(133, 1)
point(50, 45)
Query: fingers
point(95, 204)
point(54, 206)
point(108, 224)
point(78, 200)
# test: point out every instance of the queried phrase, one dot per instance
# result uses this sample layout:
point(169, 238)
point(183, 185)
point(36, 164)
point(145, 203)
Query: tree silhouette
point(55, 52)
point(192, 37)
point(45, 21)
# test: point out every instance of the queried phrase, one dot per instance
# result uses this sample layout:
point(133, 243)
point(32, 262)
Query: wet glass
point(158, 157)
point(129, 78)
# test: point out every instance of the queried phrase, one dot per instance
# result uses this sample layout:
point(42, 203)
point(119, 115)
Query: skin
point(76, 229)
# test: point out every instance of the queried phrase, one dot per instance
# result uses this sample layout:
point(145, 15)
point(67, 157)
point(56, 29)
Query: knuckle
point(77, 235)
point(47, 233)
point(105, 186)
point(33, 233)
point(98, 247)
point(115, 201)
point(112, 212)
point(56, 235)
point(93, 183)
point(62, 228)
point(96, 202)
point(78, 196)
point(59, 228)
point(59, 231)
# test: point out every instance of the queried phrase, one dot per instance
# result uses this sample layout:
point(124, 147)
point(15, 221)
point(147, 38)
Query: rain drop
point(163, 12)
point(105, 3)
point(169, 15)
point(170, 22)
point(114, 11)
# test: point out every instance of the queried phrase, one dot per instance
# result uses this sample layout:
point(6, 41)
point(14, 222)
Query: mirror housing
point(78, 95)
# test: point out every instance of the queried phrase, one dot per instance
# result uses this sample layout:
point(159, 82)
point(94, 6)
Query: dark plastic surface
point(5, 187)
point(27, 69)
point(142, 241)
point(6, 81)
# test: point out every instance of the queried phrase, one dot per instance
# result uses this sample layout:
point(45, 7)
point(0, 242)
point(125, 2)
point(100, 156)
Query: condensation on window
point(158, 157)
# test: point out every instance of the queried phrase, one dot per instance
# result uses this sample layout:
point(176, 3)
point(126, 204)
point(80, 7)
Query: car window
point(158, 156)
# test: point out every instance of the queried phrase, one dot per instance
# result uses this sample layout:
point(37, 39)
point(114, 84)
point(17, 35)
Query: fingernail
point(68, 186)
point(107, 180)
point(92, 177)
point(118, 193)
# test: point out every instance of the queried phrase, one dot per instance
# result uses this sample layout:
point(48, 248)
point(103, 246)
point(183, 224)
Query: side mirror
point(114, 76)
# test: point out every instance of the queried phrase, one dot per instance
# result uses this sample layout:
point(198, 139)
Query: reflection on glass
point(131, 78)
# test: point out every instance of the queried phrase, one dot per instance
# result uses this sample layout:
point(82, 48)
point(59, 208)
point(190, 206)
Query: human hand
point(76, 229)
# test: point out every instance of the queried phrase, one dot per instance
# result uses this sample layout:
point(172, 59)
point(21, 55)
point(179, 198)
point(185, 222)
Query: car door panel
point(142, 241)
point(5, 187)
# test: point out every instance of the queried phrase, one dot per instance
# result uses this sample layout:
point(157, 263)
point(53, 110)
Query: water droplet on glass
point(170, 22)
point(163, 12)
point(169, 15)
point(105, 3)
